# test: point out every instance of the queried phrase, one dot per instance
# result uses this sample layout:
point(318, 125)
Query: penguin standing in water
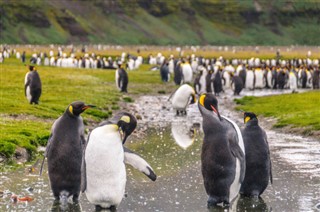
point(103, 167)
point(32, 85)
point(64, 153)
point(181, 97)
point(122, 79)
point(258, 163)
point(223, 154)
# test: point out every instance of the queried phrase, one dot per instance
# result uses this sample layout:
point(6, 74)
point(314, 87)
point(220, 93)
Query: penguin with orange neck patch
point(258, 163)
point(103, 166)
point(223, 154)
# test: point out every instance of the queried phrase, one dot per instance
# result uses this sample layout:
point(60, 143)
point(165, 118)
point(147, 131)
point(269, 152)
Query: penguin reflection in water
point(180, 98)
point(104, 173)
point(32, 85)
point(64, 153)
point(223, 154)
point(258, 163)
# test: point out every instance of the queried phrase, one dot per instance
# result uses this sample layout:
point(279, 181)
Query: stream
point(172, 146)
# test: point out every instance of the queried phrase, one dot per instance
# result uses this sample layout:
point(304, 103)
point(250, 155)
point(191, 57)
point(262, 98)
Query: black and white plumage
point(122, 79)
point(103, 167)
point(180, 98)
point(64, 152)
point(32, 85)
point(223, 154)
point(258, 162)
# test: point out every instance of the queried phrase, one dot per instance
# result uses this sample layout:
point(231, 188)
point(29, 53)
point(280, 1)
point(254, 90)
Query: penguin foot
point(112, 208)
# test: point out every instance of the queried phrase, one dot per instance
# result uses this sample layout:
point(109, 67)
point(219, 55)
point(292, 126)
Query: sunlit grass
point(297, 110)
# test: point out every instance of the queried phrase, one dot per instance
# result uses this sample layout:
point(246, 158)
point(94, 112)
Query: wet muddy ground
point(172, 146)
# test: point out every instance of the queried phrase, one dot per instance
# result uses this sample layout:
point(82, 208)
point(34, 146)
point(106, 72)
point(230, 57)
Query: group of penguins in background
point(210, 75)
point(232, 161)
point(218, 74)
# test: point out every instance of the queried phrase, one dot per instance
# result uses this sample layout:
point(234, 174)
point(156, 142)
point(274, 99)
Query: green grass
point(28, 126)
point(298, 110)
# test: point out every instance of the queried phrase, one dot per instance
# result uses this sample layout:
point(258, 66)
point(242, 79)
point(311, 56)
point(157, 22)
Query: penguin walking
point(223, 153)
point(181, 97)
point(103, 165)
point(64, 153)
point(32, 85)
point(122, 79)
point(258, 163)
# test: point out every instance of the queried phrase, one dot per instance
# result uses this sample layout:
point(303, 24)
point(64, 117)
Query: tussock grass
point(297, 110)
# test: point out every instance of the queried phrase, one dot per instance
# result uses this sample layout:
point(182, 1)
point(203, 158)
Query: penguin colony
point(233, 161)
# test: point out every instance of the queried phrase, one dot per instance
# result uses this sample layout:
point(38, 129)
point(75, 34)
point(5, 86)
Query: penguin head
point(210, 102)
point(127, 124)
point(77, 107)
point(249, 116)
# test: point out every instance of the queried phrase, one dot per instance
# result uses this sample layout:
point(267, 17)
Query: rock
point(21, 155)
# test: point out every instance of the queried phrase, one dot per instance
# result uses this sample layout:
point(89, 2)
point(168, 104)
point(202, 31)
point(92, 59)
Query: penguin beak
point(88, 106)
point(216, 111)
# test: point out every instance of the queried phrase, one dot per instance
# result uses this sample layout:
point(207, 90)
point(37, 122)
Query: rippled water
point(172, 146)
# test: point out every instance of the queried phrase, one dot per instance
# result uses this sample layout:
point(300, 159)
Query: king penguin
point(122, 79)
point(258, 163)
point(181, 97)
point(103, 168)
point(223, 154)
point(32, 85)
point(64, 153)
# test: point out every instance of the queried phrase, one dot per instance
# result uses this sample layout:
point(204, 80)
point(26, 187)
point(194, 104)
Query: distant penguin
point(187, 73)
point(315, 78)
point(258, 163)
point(259, 79)
point(250, 79)
point(243, 74)
point(268, 78)
point(209, 82)
point(32, 85)
point(64, 153)
point(196, 84)
point(281, 79)
point(180, 99)
point(293, 81)
point(103, 166)
point(237, 84)
point(177, 78)
point(217, 83)
point(223, 154)
point(122, 79)
point(274, 79)
point(164, 72)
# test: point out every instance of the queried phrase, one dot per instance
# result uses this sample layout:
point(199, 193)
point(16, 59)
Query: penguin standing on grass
point(258, 163)
point(32, 85)
point(103, 168)
point(180, 98)
point(223, 154)
point(122, 79)
point(64, 153)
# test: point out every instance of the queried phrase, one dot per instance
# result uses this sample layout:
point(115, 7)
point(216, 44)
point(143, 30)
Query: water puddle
point(172, 146)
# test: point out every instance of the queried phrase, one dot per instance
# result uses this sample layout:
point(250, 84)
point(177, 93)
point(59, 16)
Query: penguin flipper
point(238, 153)
point(139, 163)
point(83, 175)
point(46, 153)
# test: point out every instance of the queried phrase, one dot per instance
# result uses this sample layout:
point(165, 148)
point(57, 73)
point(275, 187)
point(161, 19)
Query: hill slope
point(180, 22)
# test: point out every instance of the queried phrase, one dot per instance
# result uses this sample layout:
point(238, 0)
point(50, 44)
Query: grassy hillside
point(161, 22)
